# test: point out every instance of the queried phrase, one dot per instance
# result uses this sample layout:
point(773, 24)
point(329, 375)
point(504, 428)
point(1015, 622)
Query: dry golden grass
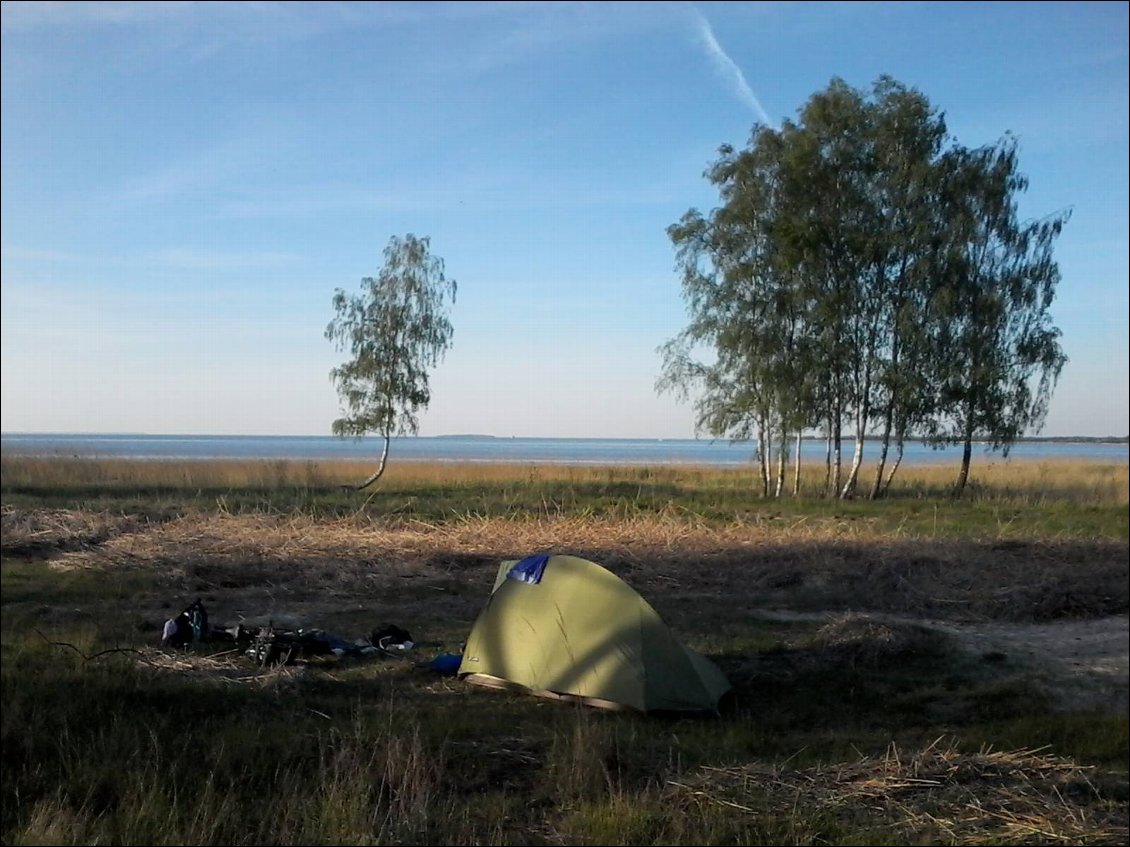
point(31, 531)
point(1091, 482)
point(862, 640)
point(802, 563)
point(1017, 797)
point(222, 666)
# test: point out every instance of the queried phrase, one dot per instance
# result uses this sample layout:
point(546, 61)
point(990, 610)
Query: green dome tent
point(567, 628)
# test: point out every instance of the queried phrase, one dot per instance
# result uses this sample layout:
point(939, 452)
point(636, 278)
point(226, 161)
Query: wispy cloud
point(249, 20)
point(728, 68)
point(175, 258)
point(19, 17)
point(204, 169)
point(211, 260)
point(31, 254)
point(454, 196)
point(200, 30)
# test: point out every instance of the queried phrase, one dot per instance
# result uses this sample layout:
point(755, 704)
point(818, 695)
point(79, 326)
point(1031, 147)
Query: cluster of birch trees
point(864, 275)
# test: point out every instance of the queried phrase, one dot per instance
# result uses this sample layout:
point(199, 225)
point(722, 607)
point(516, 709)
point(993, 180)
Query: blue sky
point(184, 186)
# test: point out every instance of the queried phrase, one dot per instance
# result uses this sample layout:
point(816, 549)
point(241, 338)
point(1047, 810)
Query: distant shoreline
point(490, 449)
point(847, 438)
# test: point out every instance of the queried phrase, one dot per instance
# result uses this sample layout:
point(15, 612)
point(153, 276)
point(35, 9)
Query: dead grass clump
point(862, 640)
point(30, 533)
point(225, 667)
point(1019, 797)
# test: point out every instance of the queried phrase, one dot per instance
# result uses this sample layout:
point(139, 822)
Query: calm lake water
point(574, 451)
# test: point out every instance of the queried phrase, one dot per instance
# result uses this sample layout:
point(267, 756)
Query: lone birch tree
point(394, 329)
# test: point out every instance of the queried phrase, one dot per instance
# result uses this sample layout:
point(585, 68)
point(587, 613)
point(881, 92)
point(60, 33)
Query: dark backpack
point(189, 627)
point(389, 636)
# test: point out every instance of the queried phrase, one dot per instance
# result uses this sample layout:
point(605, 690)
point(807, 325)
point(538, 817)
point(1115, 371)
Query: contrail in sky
point(729, 69)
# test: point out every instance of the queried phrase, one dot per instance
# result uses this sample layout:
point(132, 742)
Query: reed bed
point(1018, 481)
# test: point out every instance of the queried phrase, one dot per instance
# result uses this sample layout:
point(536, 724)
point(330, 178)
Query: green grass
point(832, 734)
point(384, 753)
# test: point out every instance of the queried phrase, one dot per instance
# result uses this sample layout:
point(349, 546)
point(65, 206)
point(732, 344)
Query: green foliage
point(863, 270)
point(394, 329)
point(1002, 351)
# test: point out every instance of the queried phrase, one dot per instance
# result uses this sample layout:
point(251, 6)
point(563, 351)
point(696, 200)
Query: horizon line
point(846, 437)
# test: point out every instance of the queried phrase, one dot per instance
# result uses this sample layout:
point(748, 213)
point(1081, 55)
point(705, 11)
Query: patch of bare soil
point(1082, 664)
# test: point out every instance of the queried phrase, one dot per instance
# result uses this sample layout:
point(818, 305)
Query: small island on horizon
point(471, 436)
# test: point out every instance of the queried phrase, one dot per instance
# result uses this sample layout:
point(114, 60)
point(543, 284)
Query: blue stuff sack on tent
point(529, 569)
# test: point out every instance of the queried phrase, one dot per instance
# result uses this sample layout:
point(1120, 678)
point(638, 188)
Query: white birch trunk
point(837, 456)
point(862, 419)
point(796, 467)
point(763, 454)
point(782, 457)
point(828, 459)
point(380, 469)
point(894, 467)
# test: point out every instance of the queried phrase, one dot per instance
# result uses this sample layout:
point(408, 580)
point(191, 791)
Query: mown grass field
point(853, 720)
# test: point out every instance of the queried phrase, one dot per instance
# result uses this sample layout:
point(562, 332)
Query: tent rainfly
point(567, 628)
